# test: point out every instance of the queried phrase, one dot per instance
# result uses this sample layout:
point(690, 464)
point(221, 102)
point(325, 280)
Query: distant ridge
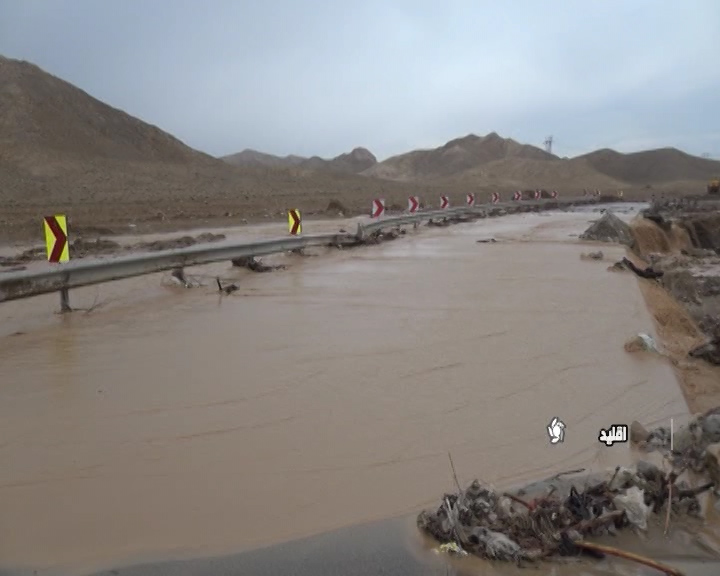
point(651, 166)
point(63, 149)
point(455, 157)
point(353, 162)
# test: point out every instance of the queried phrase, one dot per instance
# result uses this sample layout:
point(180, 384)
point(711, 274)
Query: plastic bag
point(633, 503)
point(641, 342)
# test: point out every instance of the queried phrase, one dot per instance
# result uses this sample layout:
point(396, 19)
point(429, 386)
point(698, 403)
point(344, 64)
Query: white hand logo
point(556, 431)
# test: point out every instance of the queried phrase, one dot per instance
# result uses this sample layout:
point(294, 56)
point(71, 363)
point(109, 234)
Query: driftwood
point(228, 289)
point(648, 273)
point(599, 548)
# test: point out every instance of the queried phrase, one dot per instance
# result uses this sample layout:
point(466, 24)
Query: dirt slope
point(663, 165)
point(44, 117)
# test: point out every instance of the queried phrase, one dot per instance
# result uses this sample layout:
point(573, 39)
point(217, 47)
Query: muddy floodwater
point(173, 423)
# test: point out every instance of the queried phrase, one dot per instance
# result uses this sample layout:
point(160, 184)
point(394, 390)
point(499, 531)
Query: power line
point(548, 144)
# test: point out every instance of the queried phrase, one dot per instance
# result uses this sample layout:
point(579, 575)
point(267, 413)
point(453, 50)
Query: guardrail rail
point(86, 272)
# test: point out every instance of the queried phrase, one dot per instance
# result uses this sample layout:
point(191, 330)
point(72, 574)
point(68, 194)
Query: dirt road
point(172, 422)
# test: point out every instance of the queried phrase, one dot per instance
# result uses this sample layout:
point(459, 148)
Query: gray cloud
point(320, 77)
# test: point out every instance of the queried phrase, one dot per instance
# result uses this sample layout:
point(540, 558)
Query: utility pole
point(548, 144)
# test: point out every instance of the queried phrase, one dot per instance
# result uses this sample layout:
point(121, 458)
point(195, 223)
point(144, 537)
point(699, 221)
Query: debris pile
point(254, 264)
point(384, 235)
point(694, 446)
point(554, 517)
point(609, 228)
point(641, 343)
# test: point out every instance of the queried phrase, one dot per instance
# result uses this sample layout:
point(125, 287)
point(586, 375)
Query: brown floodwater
point(172, 422)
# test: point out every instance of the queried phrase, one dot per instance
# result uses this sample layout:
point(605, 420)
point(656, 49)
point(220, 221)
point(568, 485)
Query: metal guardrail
point(86, 272)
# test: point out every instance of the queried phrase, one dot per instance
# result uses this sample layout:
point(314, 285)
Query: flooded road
point(175, 423)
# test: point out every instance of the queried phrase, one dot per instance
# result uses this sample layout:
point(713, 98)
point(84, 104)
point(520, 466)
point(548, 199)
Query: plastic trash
point(452, 549)
point(497, 545)
point(641, 342)
point(633, 503)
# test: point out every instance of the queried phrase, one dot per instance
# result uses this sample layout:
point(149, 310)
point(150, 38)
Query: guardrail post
point(65, 300)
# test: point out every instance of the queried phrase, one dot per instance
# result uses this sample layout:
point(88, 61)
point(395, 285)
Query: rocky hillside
point(355, 162)
point(43, 117)
point(455, 157)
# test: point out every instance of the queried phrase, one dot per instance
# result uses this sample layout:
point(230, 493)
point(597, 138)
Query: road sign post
point(58, 250)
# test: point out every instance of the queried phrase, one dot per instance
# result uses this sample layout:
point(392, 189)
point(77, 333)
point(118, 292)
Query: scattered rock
point(710, 352)
point(638, 433)
point(641, 342)
point(592, 255)
point(336, 206)
point(609, 228)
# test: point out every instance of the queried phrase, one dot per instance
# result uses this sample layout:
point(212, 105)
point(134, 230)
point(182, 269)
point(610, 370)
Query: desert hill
point(520, 173)
point(455, 157)
point(354, 162)
point(651, 166)
point(63, 150)
point(44, 117)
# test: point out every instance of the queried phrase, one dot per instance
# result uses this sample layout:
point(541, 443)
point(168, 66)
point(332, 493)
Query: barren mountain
point(46, 117)
point(64, 151)
point(254, 158)
point(354, 162)
point(651, 166)
point(454, 158)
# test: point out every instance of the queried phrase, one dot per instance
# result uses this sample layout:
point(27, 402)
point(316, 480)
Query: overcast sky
point(321, 77)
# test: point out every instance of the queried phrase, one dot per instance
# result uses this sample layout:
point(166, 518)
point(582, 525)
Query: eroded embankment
point(682, 244)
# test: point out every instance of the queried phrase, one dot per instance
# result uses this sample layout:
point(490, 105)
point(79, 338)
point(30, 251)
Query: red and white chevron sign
point(444, 202)
point(413, 204)
point(517, 196)
point(378, 208)
point(537, 194)
point(470, 199)
point(494, 197)
point(553, 194)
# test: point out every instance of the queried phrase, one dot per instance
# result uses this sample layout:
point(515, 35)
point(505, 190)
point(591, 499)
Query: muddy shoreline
point(681, 241)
